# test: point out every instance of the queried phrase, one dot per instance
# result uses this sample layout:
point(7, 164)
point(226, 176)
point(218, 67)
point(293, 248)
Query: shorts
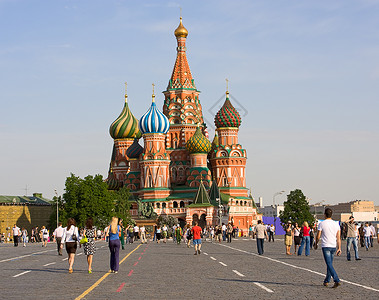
point(297, 240)
point(158, 236)
point(288, 240)
point(71, 247)
point(197, 241)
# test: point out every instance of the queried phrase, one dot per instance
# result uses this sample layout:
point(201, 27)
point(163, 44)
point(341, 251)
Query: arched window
point(158, 205)
point(175, 204)
point(181, 203)
point(237, 202)
point(163, 205)
point(245, 203)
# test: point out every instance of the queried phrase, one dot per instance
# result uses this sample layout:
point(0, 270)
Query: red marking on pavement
point(139, 258)
point(130, 273)
point(120, 287)
point(142, 253)
point(136, 263)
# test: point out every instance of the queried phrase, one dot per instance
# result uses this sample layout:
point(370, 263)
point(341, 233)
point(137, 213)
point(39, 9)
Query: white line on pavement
point(53, 263)
point(300, 268)
point(263, 287)
point(18, 257)
point(65, 259)
point(238, 273)
point(22, 273)
point(225, 265)
point(212, 257)
point(80, 254)
point(205, 253)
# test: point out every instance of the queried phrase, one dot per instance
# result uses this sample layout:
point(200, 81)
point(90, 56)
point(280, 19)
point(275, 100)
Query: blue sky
point(305, 72)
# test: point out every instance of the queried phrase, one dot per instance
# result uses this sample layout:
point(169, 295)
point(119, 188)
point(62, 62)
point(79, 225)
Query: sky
point(303, 74)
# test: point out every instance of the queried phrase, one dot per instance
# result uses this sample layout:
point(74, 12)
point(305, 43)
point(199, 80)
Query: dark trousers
point(260, 246)
point(271, 236)
point(15, 240)
point(229, 237)
point(114, 247)
point(59, 242)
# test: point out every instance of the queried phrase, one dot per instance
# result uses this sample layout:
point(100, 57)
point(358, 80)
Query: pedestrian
point(189, 235)
point(288, 237)
point(158, 233)
point(16, 234)
point(224, 228)
point(352, 238)
point(114, 244)
point(131, 234)
point(122, 235)
point(229, 232)
point(32, 238)
point(330, 234)
point(136, 232)
point(196, 233)
point(261, 232)
point(178, 234)
point(296, 236)
point(312, 236)
point(212, 233)
point(272, 233)
point(58, 233)
point(361, 235)
point(69, 239)
point(305, 240)
point(373, 234)
point(173, 233)
point(251, 231)
point(106, 235)
point(142, 231)
point(164, 233)
point(24, 234)
point(218, 233)
point(367, 234)
point(45, 236)
point(89, 248)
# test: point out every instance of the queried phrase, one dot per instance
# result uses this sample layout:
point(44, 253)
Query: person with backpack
point(69, 239)
point(45, 236)
point(114, 244)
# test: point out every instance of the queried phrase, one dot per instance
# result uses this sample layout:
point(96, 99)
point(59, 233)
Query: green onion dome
point(134, 150)
point(126, 125)
point(227, 116)
point(198, 143)
point(113, 183)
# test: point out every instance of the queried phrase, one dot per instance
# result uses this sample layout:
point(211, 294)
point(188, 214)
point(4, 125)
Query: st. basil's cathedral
point(179, 172)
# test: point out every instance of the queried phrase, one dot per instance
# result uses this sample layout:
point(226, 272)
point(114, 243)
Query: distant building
point(271, 211)
point(24, 211)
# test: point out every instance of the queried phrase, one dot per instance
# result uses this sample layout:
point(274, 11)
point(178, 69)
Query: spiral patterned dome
point(126, 125)
point(154, 121)
point(227, 116)
point(113, 183)
point(134, 150)
point(198, 143)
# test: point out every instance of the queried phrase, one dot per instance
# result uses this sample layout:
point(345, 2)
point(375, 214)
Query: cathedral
point(178, 172)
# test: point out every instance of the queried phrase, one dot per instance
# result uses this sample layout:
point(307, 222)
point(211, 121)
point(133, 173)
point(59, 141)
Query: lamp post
point(220, 207)
point(56, 196)
point(274, 205)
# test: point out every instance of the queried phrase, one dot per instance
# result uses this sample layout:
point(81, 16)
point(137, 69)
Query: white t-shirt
point(329, 229)
point(136, 228)
point(224, 227)
point(367, 231)
point(142, 229)
point(16, 231)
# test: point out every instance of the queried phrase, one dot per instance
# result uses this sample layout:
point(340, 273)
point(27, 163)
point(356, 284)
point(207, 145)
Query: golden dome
point(181, 31)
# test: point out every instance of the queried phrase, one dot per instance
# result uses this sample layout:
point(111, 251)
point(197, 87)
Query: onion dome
point(154, 121)
point(198, 143)
point(215, 142)
point(126, 125)
point(181, 31)
point(113, 183)
point(227, 116)
point(134, 150)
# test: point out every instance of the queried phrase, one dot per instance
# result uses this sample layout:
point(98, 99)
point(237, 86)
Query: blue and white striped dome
point(154, 121)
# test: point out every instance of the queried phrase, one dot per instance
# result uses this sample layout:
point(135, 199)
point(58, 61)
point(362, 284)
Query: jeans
point(307, 241)
point(367, 241)
point(328, 254)
point(354, 241)
point(224, 235)
point(114, 247)
point(59, 242)
point(271, 236)
point(229, 237)
point(260, 246)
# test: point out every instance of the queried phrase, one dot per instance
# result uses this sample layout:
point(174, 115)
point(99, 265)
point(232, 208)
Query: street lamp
point(274, 205)
point(220, 207)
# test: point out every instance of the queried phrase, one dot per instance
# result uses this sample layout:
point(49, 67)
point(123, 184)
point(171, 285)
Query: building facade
point(177, 161)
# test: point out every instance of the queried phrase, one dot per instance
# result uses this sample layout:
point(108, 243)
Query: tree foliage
point(167, 220)
point(296, 209)
point(122, 205)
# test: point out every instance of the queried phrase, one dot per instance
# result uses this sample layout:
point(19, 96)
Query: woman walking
point(122, 237)
point(296, 234)
point(24, 234)
point(45, 236)
point(178, 233)
point(158, 233)
point(189, 235)
point(89, 247)
point(69, 239)
point(305, 240)
point(114, 244)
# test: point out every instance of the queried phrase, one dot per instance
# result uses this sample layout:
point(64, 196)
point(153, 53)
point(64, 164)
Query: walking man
point(229, 231)
point(261, 232)
point(16, 234)
point(196, 232)
point(367, 234)
point(330, 234)
point(58, 233)
point(142, 232)
point(272, 233)
point(373, 234)
point(352, 239)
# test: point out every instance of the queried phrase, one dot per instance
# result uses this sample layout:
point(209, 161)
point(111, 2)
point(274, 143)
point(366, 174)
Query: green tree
point(88, 197)
point(122, 205)
point(296, 209)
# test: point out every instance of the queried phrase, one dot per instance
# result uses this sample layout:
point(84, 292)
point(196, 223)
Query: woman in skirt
point(69, 239)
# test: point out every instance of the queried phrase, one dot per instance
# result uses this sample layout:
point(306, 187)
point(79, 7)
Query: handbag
point(83, 240)
point(74, 237)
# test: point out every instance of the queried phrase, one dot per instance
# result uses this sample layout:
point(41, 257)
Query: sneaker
point(336, 284)
point(195, 253)
point(325, 284)
point(115, 272)
point(198, 251)
point(358, 259)
point(349, 259)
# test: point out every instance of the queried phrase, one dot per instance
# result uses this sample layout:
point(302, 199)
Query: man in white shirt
point(223, 228)
point(58, 233)
point(373, 234)
point(330, 234)
point(143, 234)
point(367, 234)
point(136, 231)
point(16, 234)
